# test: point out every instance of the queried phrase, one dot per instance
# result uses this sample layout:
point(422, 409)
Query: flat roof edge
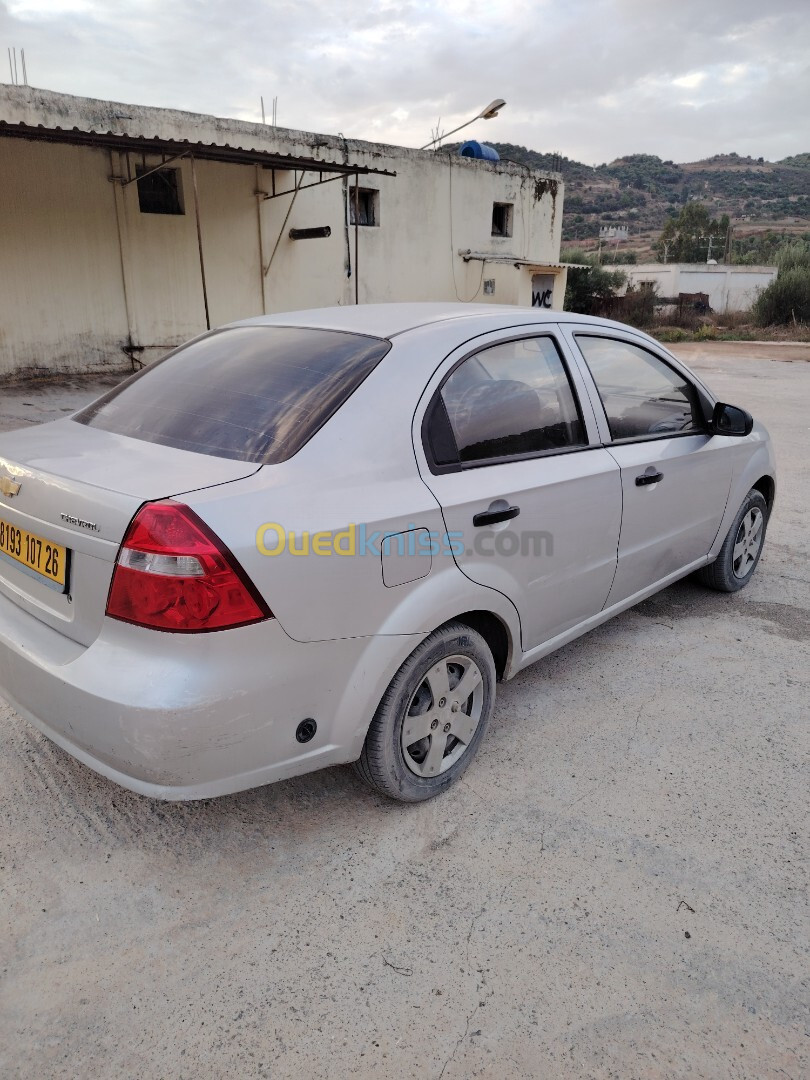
point(50, 110)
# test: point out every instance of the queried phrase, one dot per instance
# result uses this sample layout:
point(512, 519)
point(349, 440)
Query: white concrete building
point(614, 232)
point(126, 230)
point(729, 288)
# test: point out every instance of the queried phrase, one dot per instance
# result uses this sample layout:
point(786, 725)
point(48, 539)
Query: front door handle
point(492, 517)
point(651, 476)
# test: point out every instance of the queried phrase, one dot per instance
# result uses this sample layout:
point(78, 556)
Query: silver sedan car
point(323, 537)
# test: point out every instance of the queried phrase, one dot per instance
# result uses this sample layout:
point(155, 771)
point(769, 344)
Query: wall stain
point(548, 186)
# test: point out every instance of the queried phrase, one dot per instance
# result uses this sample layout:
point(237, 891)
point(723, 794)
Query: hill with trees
point(643, 192)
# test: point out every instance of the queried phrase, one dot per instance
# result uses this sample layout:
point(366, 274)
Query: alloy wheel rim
point(442, 716)
point(747, 543)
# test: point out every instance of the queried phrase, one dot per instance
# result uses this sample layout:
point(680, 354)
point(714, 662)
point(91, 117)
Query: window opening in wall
point(159, 192)
point(368, 207)
point(501, 219)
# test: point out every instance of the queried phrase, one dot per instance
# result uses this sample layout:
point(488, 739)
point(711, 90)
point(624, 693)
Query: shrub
point(707, 332)
point(794, 256)
point(736, 335)
point(786, 299)
point(638, 306)
point(589, 291)
point(671, 334)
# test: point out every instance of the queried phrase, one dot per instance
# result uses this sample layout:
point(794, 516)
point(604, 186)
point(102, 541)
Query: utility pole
point(710, 239)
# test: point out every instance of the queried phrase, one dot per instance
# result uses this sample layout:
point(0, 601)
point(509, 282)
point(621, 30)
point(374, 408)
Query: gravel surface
point(617, 888)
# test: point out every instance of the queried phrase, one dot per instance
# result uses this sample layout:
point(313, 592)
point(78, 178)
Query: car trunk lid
point(79, 487)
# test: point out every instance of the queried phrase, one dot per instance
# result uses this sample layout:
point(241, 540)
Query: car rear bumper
point(193, 716)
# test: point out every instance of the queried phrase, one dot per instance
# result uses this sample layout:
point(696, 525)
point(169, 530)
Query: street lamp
point(488, 113)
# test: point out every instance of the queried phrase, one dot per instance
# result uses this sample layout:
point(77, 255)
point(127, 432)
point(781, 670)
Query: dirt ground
point(617, 888)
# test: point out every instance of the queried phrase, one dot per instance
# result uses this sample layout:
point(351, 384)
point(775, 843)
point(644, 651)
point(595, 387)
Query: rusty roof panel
point(202, 151)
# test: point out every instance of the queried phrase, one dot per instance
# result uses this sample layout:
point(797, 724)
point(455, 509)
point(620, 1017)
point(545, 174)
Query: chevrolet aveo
point(322, 537)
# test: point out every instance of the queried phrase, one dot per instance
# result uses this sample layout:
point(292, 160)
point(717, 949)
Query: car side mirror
point(729, 420)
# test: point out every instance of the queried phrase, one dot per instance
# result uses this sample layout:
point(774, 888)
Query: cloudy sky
point(592, 79)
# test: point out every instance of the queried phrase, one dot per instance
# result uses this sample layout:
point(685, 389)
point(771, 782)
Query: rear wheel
point(432, 718)
point(742, 547)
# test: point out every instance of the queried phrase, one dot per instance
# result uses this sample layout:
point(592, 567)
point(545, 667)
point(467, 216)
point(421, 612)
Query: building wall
point(88, 280)
point(61, 295)
point(730, 288)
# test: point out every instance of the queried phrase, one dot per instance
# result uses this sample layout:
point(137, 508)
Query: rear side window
point(643, 397)
point(251, 393)
point(505, 401)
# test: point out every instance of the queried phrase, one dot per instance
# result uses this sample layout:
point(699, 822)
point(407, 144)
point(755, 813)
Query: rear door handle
point(492, 517)
point(651, 476)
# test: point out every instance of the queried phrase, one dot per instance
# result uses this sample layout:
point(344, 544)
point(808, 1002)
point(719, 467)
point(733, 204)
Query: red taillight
point(173, 573)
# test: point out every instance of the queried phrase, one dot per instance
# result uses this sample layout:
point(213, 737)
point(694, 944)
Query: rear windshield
point(251, 393)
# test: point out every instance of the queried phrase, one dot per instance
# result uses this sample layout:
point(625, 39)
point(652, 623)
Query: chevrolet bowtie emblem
point(9, 487)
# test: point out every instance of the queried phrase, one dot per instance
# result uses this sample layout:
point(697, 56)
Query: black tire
point(390, 766)
point(730, 574)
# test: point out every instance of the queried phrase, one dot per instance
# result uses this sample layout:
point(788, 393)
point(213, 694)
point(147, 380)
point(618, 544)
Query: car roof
point(390, 320)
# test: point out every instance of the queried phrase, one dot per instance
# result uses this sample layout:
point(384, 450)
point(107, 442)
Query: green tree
point(686, 238)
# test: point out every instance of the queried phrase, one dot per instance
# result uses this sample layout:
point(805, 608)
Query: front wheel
point(742, 547)
point(432, 718)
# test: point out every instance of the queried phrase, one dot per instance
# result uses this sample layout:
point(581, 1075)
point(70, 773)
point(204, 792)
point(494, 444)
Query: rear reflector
point(173, 573)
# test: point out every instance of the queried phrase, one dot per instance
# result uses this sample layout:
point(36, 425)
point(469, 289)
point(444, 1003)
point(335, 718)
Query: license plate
point(39, 558)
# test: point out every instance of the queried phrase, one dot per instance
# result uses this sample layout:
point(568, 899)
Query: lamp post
point(488, 113)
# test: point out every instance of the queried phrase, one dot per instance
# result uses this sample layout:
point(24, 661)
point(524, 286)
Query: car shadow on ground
point(308, 808)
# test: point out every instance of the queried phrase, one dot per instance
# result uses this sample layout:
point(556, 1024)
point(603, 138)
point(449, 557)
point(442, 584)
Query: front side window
point(507, 400)
point(249, 393)
point(642, 395)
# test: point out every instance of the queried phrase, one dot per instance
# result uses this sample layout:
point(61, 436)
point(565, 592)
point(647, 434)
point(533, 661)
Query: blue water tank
point(480, 150)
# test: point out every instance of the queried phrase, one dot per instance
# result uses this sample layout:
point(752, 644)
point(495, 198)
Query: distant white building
point(729, 288)
point(126, 230)
point(614, 232)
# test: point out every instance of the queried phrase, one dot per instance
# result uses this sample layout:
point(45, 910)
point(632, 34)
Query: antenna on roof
point(273, 113)
point(12, 67)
